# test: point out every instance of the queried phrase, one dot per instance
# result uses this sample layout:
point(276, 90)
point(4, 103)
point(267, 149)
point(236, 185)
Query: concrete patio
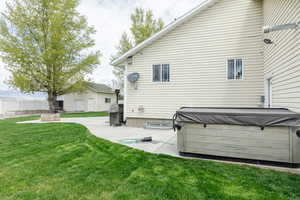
point(164, 141)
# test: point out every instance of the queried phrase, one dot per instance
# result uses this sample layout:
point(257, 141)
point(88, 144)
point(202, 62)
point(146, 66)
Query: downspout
point(117, 92)
point(125, 93)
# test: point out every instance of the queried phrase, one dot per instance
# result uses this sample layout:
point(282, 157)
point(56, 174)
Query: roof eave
point(96, 91)
point(204, 5)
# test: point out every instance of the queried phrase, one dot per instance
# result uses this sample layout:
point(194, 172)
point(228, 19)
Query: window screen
point(235, 69)
point(165, 73)
point(230, 70)
point(107, 100)
point(239, 69)
point(156, 73)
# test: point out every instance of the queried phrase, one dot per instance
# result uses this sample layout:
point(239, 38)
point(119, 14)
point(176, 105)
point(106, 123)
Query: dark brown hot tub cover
point(261, 117)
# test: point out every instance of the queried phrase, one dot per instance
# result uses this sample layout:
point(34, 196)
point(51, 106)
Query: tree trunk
point(52, 100)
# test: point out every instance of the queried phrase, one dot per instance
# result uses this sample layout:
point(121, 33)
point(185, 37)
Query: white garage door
point(79, 105)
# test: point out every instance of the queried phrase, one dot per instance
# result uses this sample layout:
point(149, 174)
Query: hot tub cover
point(262, 117)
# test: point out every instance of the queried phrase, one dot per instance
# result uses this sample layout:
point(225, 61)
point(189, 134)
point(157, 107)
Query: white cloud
point(111, 18)
point(2, 4)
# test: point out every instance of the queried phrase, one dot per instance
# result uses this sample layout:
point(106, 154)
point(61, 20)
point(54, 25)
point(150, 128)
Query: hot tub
point(244, 133)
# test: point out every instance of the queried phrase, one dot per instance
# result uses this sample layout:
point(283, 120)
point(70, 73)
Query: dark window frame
point(107, 100)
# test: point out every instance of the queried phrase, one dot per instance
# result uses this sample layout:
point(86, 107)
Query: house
point(282, 58)
point(97, 97)
point(217, 55)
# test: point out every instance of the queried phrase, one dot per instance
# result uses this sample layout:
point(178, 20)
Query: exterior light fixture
point(268, 41)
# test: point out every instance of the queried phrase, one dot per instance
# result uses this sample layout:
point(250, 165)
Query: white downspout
point(125, 92)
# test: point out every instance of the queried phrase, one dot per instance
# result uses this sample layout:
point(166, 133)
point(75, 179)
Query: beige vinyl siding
point(282, 59)
point(197, 52)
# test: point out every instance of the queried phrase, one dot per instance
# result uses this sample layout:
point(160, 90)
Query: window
point(165, 73)
point(235, 69)
point(161, 73)
point(107, 100)
point(156, 73)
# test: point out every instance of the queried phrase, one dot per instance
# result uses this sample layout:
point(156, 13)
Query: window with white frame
point(235, 69)
point(161, 73)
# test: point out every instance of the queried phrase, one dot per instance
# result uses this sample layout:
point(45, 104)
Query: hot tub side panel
point(247, 142)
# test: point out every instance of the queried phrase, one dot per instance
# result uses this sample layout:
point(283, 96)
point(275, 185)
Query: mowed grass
point(69, 115)
point(84, 114)
point(63, 161)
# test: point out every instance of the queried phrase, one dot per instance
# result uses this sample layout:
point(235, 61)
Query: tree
point(143, 26)
point(45, 45)
point(124, 45)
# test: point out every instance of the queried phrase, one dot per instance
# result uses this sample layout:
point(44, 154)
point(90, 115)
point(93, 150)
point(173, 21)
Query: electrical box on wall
point(141, 109)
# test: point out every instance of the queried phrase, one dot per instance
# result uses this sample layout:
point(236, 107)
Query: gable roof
point(203, 6)
point(100, 88)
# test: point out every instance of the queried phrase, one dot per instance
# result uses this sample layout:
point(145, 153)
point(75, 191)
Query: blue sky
point(111, 18)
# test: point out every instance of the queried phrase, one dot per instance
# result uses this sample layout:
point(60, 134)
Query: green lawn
point(72, 115)
point(85, 114)
point(65, 162)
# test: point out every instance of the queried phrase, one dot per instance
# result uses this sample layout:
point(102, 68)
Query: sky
point(111, 18)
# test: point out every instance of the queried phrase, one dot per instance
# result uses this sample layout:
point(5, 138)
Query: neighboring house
point(98, 97)
point(215, 56)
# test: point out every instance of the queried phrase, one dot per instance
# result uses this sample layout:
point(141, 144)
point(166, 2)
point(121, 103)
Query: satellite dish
point(133, 77)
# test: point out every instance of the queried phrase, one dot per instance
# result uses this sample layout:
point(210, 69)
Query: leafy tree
point(125, 44)
point(143, 26)
point(44, 44)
